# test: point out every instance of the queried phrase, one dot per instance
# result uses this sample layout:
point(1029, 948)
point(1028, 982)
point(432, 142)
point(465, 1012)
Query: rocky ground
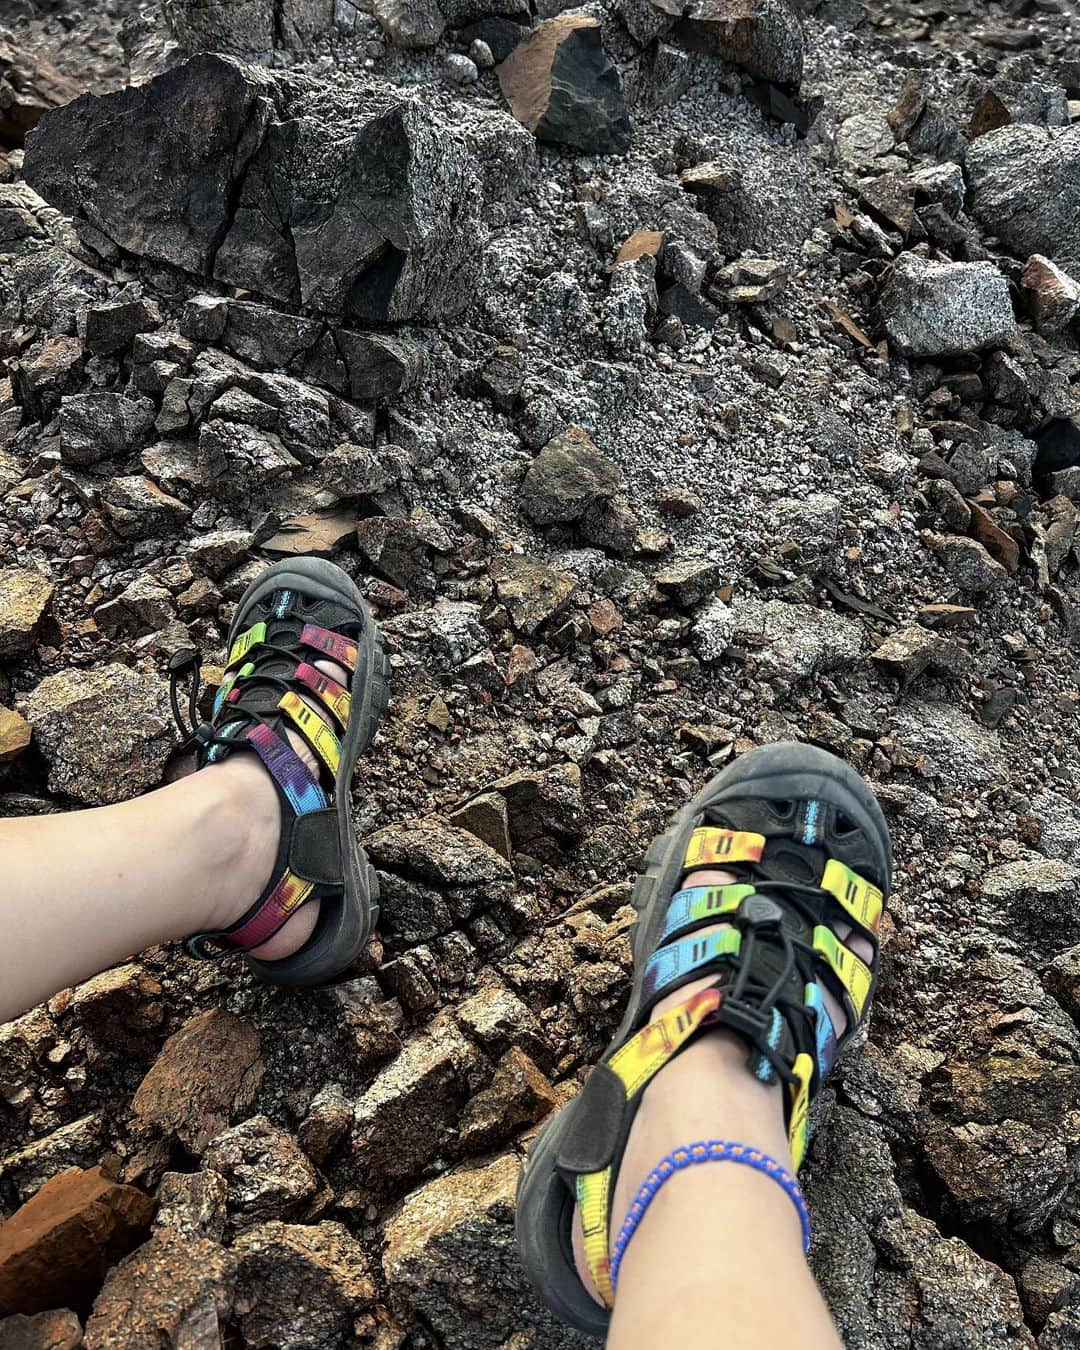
point(692, 376)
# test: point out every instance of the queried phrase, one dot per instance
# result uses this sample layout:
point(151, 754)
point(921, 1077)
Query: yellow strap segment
point(710, 847)
point(244, 643)
point(639, 1060)
point(799, 1120)
point(318, 734)
point(863, 902)
point(852, 973)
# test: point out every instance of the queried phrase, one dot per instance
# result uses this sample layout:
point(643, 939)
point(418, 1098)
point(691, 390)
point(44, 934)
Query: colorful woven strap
point(711, 847)
point(634, 1064)
point(706, 1150)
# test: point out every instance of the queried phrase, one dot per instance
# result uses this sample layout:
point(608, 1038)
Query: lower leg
point(85, 889)
point(718, 1236)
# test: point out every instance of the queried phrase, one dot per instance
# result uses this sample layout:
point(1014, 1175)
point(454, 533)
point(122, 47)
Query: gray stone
point(136, 508)
point(411, 24)
point(801, 639)
point(938, 309)
point(968, 564)
point(1025, 189)
point(244, 182)
point(99, 425)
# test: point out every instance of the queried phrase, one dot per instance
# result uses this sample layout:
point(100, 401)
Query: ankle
point(242, 830)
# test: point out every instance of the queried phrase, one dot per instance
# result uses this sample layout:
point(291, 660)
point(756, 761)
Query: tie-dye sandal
point(809, 845)
point(298, 612)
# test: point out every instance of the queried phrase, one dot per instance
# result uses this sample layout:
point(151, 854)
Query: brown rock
point(1049, 295)
point(640, 244)
point(192, 1204)
point(531, 591)
point(268, 1174)
point(24, 596)
point(465, 1221)
point(29, 87)
point(56, 1248)
point(993, 538)
point(408, 1113)
point(567, 477)
point(499, 1019)
point(14, 736)
point(300, 1285)
point(105, 734)
point(316, 534)
point(486, 817)
point(206, 1074)
point(519, 1094)
point(77, 1144)
point(58, 1329)
point(540, 802)
point(172, 1293)
point(119, 1007)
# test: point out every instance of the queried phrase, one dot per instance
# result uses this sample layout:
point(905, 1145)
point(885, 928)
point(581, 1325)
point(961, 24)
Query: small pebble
point(460, 70)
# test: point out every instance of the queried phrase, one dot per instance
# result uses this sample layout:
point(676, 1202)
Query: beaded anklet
point(708, 1150)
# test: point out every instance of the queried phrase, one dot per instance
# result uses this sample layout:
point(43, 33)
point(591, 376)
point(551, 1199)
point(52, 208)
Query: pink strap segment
point(338, 648)
point(331, 694)
point(283, 901)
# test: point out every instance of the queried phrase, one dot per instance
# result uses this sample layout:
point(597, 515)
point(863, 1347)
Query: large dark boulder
point(354, 203)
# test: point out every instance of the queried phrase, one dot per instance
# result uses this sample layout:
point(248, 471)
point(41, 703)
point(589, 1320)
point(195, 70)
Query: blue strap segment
point(701, 904)
point(680, 958)
point(826, 1033)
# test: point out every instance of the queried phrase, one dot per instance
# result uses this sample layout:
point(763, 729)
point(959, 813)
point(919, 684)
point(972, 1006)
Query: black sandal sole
point(344, 926)
point(545, 1208)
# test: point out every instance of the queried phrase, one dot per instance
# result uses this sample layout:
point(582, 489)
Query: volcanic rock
point(799, 639)
point(937, 309)
point(24, 597)
point(465, 1220)
point(408, 1114)
point(269, 1176)
point(519, 1094)
point(967, 562)
point(1025, 188)
point(486, 817)
point(136, 508)
point(300, 1285)
point(192, 1204)
point(244, 182)
point(58, 1329)
point(56, 1248)
point(531, 591)
point(1040, 897)
point(567, 477)
point(410, 24)
point(107, 329)
point(173, 1292)
point(437, 853)
point(763, 36)
point(561, 84)
point(402, 548)
point(105, 733)
point(15, 736)
point(238, 462)
point(1050, 295)
point(206, 1073)
point(29, 88)
point(689, 580)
